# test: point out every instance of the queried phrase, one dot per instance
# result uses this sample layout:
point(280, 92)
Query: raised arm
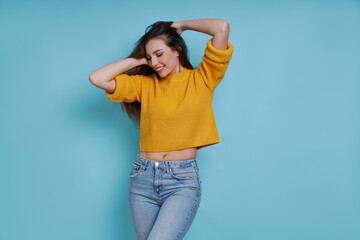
point(104, 76)
point(218, 51)
point(218, 28)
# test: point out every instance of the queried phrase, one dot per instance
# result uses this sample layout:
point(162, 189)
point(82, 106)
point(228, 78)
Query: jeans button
point(156, 164)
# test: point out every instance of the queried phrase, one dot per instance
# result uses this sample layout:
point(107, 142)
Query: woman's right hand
point(104, 77)
point(143, 61)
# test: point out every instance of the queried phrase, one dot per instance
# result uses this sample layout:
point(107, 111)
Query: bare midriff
point(176, 155)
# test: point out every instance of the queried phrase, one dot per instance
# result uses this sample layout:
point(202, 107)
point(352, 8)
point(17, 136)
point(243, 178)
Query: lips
point(160, 69)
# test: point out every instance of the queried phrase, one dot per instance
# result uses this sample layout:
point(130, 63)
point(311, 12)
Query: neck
point(180, 67)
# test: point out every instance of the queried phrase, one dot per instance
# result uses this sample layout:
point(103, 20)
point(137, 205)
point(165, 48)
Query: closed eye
point(158, 55)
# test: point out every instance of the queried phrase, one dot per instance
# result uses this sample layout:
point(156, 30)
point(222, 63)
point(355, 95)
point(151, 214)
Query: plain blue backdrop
point(288, 113)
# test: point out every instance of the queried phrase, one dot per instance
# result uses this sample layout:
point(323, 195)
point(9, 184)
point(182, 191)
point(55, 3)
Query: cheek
point(165, 59)
point(172, 59)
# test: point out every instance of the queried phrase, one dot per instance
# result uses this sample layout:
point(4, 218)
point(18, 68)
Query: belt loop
point(145, 163)
point(167, 167)
point(196, 163)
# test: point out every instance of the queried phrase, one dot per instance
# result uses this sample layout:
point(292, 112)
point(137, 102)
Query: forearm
point(211, 26)
point(218, 28)
point(109, 71)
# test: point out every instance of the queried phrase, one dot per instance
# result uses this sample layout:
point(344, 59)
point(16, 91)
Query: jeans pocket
point(136, 169)
point(184, 172)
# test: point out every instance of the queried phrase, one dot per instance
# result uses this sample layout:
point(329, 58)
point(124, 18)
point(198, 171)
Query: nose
point(153, 61)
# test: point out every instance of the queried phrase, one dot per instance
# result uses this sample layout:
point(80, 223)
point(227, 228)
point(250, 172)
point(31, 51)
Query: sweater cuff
point(218, 55)
point(110, 95)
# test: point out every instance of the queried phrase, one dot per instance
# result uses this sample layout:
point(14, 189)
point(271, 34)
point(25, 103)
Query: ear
point(177, 52)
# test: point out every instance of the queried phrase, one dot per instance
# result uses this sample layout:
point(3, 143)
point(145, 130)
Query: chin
point(163, 75)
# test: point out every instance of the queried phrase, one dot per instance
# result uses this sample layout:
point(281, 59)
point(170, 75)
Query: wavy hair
point(172, 39)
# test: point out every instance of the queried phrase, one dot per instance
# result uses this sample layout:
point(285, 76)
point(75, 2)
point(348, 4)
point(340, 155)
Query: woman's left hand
point(178, 26)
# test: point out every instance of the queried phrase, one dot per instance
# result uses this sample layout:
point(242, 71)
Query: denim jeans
point(164, 197)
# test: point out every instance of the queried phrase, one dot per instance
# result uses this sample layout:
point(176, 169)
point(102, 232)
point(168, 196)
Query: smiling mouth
point(160, 69)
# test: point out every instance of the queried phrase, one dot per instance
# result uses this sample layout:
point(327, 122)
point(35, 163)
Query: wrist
point(143, 61)
point(140, 61)
point(183, 25)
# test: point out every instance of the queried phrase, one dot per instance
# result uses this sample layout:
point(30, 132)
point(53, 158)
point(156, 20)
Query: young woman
point(158, 86)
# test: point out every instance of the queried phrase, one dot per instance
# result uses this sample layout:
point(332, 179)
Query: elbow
point(225, 26)
point(92, 79)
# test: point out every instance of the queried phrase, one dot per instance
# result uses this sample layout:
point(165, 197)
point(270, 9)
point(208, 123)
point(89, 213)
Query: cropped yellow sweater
point(176, 111)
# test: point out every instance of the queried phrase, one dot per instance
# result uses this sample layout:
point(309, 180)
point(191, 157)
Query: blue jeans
point(164, 197)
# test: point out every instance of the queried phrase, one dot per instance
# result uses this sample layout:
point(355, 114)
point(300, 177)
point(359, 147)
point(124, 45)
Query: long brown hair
point(173, 40)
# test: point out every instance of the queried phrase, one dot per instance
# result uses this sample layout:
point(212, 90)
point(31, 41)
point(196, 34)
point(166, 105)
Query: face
point(162, 58)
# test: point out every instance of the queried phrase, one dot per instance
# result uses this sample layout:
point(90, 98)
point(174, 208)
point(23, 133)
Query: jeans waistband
point(177, 163)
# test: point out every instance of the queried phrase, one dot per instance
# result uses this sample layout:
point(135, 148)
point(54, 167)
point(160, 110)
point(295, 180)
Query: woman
point(158, 85)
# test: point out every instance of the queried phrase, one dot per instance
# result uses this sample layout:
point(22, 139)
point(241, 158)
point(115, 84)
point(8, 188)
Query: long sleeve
point(128, 88)
point(214, 64)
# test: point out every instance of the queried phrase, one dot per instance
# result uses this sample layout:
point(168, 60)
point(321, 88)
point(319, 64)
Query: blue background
point(287, 111)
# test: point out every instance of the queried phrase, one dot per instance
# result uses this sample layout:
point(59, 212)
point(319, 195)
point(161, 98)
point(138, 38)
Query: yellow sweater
point(176, 111)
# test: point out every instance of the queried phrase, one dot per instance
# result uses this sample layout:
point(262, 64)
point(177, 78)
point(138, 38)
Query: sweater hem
point(165, 149)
